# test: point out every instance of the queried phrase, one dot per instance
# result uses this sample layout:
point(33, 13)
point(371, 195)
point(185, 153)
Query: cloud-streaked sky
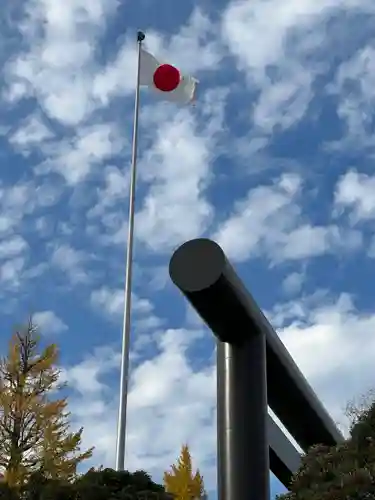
point(275, 162)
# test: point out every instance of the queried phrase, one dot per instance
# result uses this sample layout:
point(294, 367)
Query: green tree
point(7, 493)
point(342, 472)
point(107, 483)
point(181, 481)
point(99, 484)
point(34, 422)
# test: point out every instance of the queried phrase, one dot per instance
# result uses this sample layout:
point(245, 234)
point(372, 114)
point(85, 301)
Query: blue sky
point(275, 162)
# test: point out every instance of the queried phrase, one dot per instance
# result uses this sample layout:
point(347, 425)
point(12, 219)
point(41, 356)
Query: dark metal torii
point(253, 368)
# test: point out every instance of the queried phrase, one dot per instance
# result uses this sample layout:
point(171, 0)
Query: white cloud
point(256, 31)
point(117, 78)
point(74, 159)
point(49, 322)
point(354, 82)
point(47, 194)
point(17, 201)
point(177, 165)
point(157, 277)
point(371, 249)
point(293, 283)
point(174, 172)
point(20, 200)
point(6, 223)
point(115, 189)
point(355, 191)
point(241, 233)
point(310, 241)
point(71, 262)
point(10, 272)
point(198, 36)
point(269, 222)
point(272, 42)
point(284, 103)
point(12, 247)
point(85, 377)
point(336, 333)
point(16, 271)
point(58, 66)
point(163, 390)
point(31, 133)
point(111, 302)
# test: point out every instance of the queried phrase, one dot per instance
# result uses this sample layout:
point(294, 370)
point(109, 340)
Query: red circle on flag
point(166, 78)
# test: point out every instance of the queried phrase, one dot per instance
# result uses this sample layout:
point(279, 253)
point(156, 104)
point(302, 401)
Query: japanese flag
point(166, 80)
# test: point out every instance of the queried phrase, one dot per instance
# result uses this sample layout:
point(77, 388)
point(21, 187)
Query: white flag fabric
point(166, 80)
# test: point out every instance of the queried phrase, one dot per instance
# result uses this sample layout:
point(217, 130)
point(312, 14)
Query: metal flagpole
point(121, 425)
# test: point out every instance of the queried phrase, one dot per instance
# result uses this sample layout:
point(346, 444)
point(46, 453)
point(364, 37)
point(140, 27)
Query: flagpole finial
point(140, 36)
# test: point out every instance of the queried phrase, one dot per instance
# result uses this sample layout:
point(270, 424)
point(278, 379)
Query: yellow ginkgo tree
point(181, 482)
point(35, 433)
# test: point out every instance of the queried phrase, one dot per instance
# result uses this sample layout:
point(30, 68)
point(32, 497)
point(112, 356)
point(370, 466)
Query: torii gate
point(254, 370)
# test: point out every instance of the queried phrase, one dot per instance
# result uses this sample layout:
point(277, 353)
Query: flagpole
point(121, 425)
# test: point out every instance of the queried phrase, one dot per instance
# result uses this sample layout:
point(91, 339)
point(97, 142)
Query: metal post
point(243, 455)
point(121, 426)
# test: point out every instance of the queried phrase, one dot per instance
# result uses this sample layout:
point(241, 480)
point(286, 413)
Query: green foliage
point(342, 472)
point(108, 483)
point(104, 484)
point(7, 493)
point(39, 487)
